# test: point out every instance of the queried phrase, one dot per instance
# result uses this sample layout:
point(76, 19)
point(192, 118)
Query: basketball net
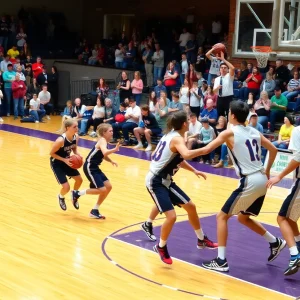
point(262, 55)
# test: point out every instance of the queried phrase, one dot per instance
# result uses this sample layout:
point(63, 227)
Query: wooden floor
point(46, 253)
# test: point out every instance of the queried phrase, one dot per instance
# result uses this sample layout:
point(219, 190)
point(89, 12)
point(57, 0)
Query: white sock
point(140, 143)
point(294, 250)
point(81, 193)
point(61, 196)
point(199, 234)
point(162, 243)
point(297, 238)
point(269, 237)
point(96, 206)
point(149, 221)
point(222, 252)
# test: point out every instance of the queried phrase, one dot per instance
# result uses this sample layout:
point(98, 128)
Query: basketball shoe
point(294, 265)
point(62, 203)
point(148, 229)
point(206, 243)
point(95, 214)
point(217, 264)
point(298, 246)
point(164, 254)
point(74, 197)
point(276, 248)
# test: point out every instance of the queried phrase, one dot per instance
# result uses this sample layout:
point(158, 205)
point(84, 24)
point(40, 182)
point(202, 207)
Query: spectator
point(4, 32)
point(192, 74)
point(184, 68)
point(200, 61)
point(13, 52)
point(4, 63)
point(152, 101)
point(293, 87)
point(147, 58)
point(124, 87)
point(192, 136)
point(102, 90)
point(150, 127)
point(268, 85)
point(137, 87)
point(210, 95)
point(68, 110)
point(37, 67)
point(201, 35)
point(224, 87)
point(282, 75)
point(21, 38)
point(94, 58)
point(285, 133)
point(34, 109)
point(110, 112)
point(18, 90)
point(221, 126)
point(160, 87)
point(132, 117)
point(209, 113)
point(170, 79)
point(97, 117)
point(28, 75)
point(253, 81)
point(42, 78)
point(262, 108)
point(129, 57)
point(190, 49)
point(45, 98)
point(183, 39)
point(164, 95)
point(278, 108)
point(18, 64)
point(21, 74)
point(253, 122)
point(161, 112)
point(83, 123)
point(119, 56)
point(216, 29)
point(33, 88)
point(158, 59)
point(8, 78)
point(53, 85)
point(243, 73)
point(101, 55)
point(249, 67)
point(184, 94)
point(175, 105)
point(196, 100)
point(215, 63)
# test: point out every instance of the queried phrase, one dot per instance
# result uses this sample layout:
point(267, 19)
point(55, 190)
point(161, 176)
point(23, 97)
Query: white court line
point(188, 263)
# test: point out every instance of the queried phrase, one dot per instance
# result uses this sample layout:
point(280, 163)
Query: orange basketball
point(76, 161)
point(218, 48)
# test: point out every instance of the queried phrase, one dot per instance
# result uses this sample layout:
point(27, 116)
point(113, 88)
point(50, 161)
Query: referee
point(223, 86)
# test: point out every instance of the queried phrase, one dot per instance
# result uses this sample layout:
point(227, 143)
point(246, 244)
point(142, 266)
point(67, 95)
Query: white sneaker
point(149, 148)
point(138, 146)
point(37, 121)
point(92, 133)
point(48, 118)
point(1, 120)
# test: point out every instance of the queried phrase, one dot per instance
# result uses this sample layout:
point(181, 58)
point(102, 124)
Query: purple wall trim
point(285, 183)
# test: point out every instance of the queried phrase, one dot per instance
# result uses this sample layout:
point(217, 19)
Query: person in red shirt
point(253, 81)
point(37, 68)
point(19, 90)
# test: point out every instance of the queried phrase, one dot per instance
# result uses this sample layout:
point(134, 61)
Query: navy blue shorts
point(62, 171)
point(95, 176)
point(156, 131)
point(165, 193)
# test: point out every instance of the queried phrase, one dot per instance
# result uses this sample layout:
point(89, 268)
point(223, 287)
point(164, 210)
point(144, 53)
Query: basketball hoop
point(262, 55)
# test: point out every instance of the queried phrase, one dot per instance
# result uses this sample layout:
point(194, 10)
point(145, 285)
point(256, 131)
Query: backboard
point(286, 17)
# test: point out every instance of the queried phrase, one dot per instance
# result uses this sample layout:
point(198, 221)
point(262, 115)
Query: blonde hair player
point(60, 161)
point(99, 183)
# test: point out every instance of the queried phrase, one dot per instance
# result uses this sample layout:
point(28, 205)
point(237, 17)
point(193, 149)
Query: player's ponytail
point(175, 121)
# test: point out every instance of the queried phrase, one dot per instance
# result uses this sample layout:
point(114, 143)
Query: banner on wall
point(281, 161)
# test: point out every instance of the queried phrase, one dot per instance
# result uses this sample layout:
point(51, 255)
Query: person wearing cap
point(279, 105)
point(8, 78)
point(285, 133)
point(132, 116)
point(253, 122)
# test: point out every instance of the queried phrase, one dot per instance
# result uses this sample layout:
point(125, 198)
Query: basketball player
point(290, 210)
point(99, 183)
point(60, 161)
point(244, 147)
point(170, 155)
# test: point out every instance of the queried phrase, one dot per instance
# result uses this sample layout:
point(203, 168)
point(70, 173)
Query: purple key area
point(247, 253)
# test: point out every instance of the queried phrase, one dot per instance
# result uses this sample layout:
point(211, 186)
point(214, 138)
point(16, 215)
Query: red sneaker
point(163, 253)
point(206, 243)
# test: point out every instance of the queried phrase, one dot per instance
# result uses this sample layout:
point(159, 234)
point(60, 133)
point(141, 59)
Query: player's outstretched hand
point(114, 163)
point(200, 174)
point(117, 147)
point(273, 181)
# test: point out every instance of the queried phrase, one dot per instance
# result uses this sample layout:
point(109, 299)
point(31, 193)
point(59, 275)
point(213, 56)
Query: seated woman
point(152, 101)
point(161, 113)
point(68, 113)
point(97, 117)
point(284, 134)
point(262, 108)
point(210, 95)
point(109, 112)
point(150, 127)
point(268, 85)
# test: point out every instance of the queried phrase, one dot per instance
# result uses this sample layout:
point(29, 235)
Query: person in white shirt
point(4, 63)
point(214, 69)
point(183, 39)
point(191, 136)
point(45, 98)
point(184, 68)
point(34, 109)
point(132, 117)
point(119, 55)
point(223, 86)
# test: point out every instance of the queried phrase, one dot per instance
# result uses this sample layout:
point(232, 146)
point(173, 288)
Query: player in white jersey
point(170, 155)
point(244, 146)
point(289, 213)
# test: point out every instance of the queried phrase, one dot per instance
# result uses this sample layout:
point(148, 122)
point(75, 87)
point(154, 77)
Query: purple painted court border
point(142, 277)
point(270, 275)
point(227, 172)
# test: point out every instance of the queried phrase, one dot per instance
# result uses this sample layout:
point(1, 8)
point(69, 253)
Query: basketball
point(218, 48)
point(120, 118)
point(76, 161)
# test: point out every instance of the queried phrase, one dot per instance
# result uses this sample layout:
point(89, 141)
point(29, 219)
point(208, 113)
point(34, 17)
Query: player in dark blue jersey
point(99, 183)
point(60, 161)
